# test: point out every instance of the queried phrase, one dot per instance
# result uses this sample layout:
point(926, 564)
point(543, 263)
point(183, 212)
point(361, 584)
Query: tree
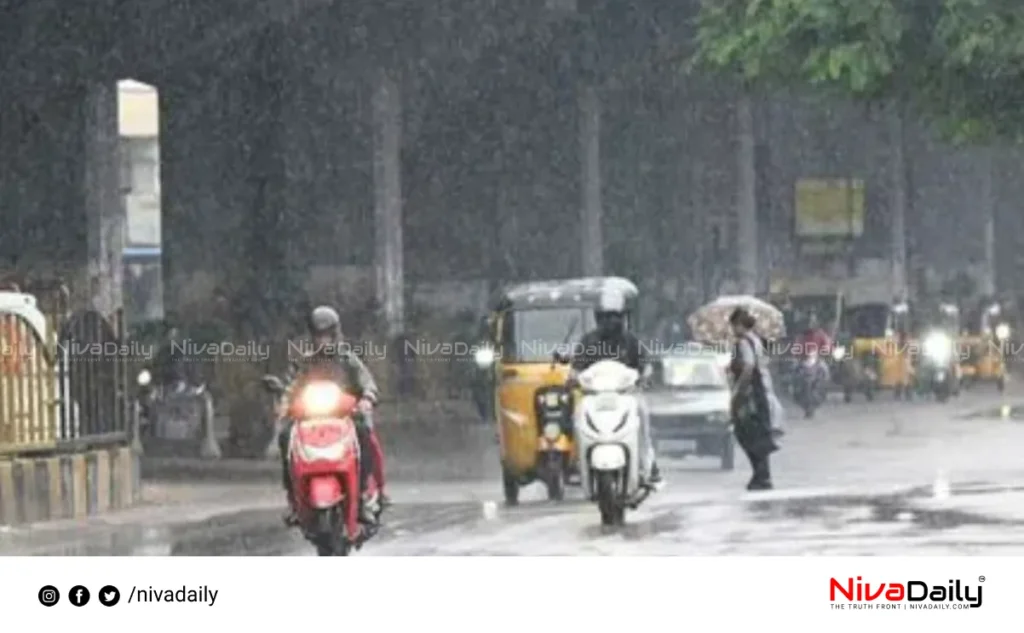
point(958, 63)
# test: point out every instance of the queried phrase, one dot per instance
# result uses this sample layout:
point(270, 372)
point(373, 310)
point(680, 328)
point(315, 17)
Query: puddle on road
point(840, 512)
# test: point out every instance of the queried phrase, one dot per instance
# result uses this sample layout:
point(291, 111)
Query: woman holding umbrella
point(754, 403)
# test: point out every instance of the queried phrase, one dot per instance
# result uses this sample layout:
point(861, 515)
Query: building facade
point(139, 121)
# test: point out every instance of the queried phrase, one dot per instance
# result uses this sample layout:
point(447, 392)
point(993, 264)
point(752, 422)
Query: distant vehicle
point(689, 406)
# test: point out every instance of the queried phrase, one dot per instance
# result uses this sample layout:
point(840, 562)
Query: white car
point(689, 402)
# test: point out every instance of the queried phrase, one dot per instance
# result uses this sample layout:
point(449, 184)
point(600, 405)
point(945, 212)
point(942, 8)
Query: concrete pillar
point(592, 243)
point(897, 200)
point(387, 179)
point(746, 197)
point(104, 205)
point(987, 207)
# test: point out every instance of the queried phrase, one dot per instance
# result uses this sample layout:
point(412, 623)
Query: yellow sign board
point(829, 208)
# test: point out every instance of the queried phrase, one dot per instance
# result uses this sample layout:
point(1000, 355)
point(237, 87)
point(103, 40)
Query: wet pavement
point(865, 479)
point(834, 524)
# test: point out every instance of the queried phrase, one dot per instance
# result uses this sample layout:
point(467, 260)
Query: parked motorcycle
point(324, 458)
point(608, 426)
point(810, 384)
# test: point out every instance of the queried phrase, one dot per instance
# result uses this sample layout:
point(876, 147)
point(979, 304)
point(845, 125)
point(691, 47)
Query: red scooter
point(324, 457)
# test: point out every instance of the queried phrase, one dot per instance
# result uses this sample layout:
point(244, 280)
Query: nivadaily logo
point(912, 594)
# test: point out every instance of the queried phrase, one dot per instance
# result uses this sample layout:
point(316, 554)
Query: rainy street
point(864, 478)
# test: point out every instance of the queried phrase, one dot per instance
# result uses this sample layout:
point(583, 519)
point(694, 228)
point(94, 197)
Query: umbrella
point(710, 324)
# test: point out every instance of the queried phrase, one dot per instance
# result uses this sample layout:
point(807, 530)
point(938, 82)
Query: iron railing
point(64, 379)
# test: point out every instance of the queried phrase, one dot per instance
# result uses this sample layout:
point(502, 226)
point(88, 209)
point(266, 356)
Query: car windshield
point(533, 336)
point(694, 373)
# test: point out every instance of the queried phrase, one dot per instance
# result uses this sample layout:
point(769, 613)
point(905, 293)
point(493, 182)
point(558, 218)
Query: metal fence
point(63, 375)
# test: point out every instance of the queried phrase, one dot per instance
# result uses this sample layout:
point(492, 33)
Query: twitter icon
point(109, 596)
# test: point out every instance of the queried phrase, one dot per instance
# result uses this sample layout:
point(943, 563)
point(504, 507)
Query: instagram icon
point(49, 596)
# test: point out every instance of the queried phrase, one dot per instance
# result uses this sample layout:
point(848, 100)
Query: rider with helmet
point(330, 352)
point(612, 341)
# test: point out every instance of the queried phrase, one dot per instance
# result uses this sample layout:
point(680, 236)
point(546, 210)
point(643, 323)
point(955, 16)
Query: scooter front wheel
point(612, 513)
point(328, 538)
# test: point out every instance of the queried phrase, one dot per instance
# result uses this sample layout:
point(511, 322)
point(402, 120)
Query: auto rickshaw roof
point(564, 292)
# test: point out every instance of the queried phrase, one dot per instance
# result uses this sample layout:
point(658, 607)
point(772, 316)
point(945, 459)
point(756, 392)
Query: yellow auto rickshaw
point(879, 341)
point(534, 327)
point(985, 341)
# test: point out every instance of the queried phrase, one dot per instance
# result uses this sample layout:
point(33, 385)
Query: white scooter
point(608, 436)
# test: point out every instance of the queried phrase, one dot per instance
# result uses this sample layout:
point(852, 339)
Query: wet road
point(865, 479)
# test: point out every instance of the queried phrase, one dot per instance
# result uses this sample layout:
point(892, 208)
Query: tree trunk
point(746, 198)
point(898, 199)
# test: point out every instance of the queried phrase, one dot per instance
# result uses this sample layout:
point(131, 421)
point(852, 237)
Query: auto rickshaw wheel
point(511, 487)
point(552, 473)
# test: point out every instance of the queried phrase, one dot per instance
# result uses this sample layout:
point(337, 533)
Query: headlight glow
point(484, 357)
point(144, 378)
point(552, 431)
point(552, 399)
point(320, 399)
point(1002, 331)
point(938, 348)
point(839, 353)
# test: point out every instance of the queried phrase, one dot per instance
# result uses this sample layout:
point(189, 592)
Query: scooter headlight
point(1002, 331)
point(321, 399)
point(839, 353)
point(144, 378)
point(938, 348)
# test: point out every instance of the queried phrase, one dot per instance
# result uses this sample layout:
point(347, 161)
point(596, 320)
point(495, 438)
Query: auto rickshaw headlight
point(552, 399)
point(839, 353)
point(552, 431)
point(1002, 331)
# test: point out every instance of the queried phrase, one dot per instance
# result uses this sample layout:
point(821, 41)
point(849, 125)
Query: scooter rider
point(329, 350)
point(815, 339)
point(611, 341)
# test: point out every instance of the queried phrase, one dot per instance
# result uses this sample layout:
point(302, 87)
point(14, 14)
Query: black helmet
point(324, 320)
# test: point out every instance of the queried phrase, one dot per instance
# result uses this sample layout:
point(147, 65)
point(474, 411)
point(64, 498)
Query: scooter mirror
point(273, 384)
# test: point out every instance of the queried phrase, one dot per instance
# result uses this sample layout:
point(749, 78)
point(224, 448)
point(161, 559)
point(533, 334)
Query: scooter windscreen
point(608, 376)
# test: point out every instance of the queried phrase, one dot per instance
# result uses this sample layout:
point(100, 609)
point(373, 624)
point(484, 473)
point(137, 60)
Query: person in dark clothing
point(611, 341)
point(751, 408)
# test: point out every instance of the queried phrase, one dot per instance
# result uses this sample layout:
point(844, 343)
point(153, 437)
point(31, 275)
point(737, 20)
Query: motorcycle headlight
point(839, 353)
point(484, 357)
point(321, 399)
point(552, 431)
point(144, 378)
point(1002, 331)
point(938, 348)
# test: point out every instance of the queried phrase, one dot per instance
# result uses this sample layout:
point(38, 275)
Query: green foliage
point(957, 62)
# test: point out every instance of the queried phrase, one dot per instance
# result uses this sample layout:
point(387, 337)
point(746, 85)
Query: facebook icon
point(79, 596)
